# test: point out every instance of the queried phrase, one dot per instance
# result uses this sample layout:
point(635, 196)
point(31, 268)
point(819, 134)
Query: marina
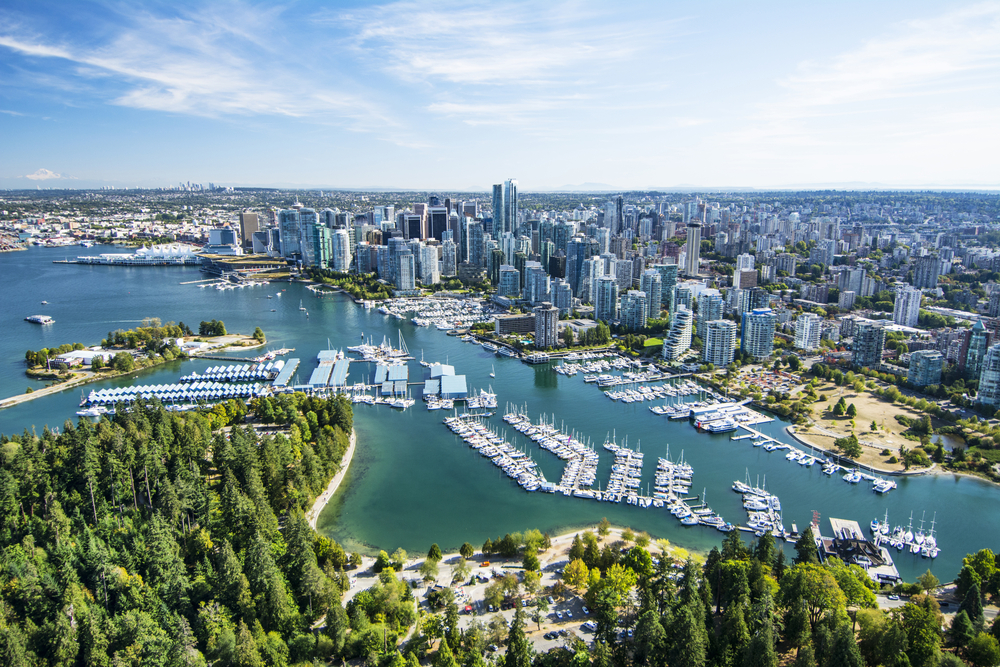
point(384, 502)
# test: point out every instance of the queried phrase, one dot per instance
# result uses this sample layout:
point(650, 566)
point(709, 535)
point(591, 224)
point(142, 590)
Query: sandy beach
point(313, 514)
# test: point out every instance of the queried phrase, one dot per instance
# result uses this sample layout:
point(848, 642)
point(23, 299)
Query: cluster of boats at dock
point(515, 463)
point(594, 363)
point(441, 312)
point(763, 508)
point(902, 537)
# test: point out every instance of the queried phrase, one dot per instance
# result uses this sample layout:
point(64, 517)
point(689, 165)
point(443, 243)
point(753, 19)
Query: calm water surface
point(412, 481)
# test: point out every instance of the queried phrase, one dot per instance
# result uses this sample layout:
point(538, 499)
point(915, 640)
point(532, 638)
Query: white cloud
point(46, 175)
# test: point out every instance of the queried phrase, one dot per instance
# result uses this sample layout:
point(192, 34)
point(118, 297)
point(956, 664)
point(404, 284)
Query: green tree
point(519, 651)
point(434, 553)
point(805, 548)
point(466, 550)
point(852, 411)
point(983, 651)
point(962, 631)
point(927, 581)
point(258, 335)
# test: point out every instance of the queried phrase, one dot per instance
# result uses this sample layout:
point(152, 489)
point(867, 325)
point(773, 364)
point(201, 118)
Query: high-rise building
point(634, 310)
point(989, 378)
point(623, 274)
point(510, 205)
point(808, 330)
point(693, 248)
point(406, 275)
point(510, 282)
point(652, 285)
point(449, 258)
point(315, 242)
point(758, 333)
point(678, 341)
point(341, 255)
point(906, 311)
point(563, 296)
point(546, 325)
point(926, 272)
point(709, 308)
point(606, 299)
point(869, 341)
point(430, 271)
point(925, 368)
point(845, 301)
point(288, 224)
point(980, 339)
point(668, 287)
point(249, 224)
point(720, 343)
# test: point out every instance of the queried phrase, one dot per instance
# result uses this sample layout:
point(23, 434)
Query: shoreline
point(790, 430)
point(312, 516)
point(89, 376)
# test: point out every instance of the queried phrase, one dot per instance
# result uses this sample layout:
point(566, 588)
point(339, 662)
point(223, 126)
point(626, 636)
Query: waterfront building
point(405, 271)
point(546, 325)
point(249, 223)
point(720, 343)
point(758, 333)
point(906, 311)
point(341, 255)
point(925, 368)
point(709, 309)
point(979, 339)
point(652, 284)
point(504, 325)
point(430, 270)
point(315, 242)
point(869, 341)
point(808, 329)
point(606, 299)
point(509, 282)
point(989, 378)
point(678, 341)
point(288, 224)
point(634, 310)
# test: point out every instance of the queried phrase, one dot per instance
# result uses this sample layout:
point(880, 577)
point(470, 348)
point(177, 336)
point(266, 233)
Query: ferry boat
point(40, 319)
point(507, 352)
point(489, 347)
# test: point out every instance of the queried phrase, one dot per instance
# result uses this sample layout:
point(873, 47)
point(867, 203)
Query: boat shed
point(431, 388)
point(328, 355)
point(286, 373)
point(381, 374)
point(454, 387)
point(399, 373)
point(439, 370)
point(339, 376)
point(321, 376)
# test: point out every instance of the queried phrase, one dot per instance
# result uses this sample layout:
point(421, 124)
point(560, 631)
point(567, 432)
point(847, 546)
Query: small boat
point(493, 373)
point(45, 303)
point(301, 307)
point(273, 310)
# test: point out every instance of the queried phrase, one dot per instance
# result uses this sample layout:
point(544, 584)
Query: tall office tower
point(328, 218)
point(989, 378)
point(720, 343)
point(510, 282)
point(693, 247)
point(557, 265)
point(603, 237)
point(437, 218)
point(652, 285)
point(591, 271)
point(498, 209)
point(413, 225)
point(619, 214)
point(758, 333)
point(634, 310)
point(494, 261)
point(509, 246)
point(362, 252)
point(576, 252)
point(709, 309)
point(477, 244)
point(249, 224)
point(545, 251)
point(906, 312)
point(925, 368)
point(405, 270)
point(563, 296)
point(536, 283)
point(430, 271)
point(520, 263)
point(623, 274)
point(678, 341)
point(449, 258)
point(341, 255)
point(288, 224)
point(869, 341)
point(562, 232)
point(979, 340)
point(606, 299)
point(808, 329)
point(668, 286)
point(546, 325)
point(926, 272)
point(470, 209)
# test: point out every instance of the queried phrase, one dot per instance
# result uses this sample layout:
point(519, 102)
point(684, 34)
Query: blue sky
point(459, 95)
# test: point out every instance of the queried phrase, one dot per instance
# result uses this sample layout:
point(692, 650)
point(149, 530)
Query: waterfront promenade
point(312, 516)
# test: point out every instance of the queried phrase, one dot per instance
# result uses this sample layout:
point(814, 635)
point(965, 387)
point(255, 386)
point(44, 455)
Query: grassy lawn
point(870, 408)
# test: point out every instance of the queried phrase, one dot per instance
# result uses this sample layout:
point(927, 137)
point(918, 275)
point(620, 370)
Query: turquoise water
point(412, 481)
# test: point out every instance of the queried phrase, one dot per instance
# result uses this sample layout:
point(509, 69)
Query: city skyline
point(446, 96)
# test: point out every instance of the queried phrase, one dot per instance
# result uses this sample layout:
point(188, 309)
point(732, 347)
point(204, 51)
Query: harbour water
point(414, 482)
